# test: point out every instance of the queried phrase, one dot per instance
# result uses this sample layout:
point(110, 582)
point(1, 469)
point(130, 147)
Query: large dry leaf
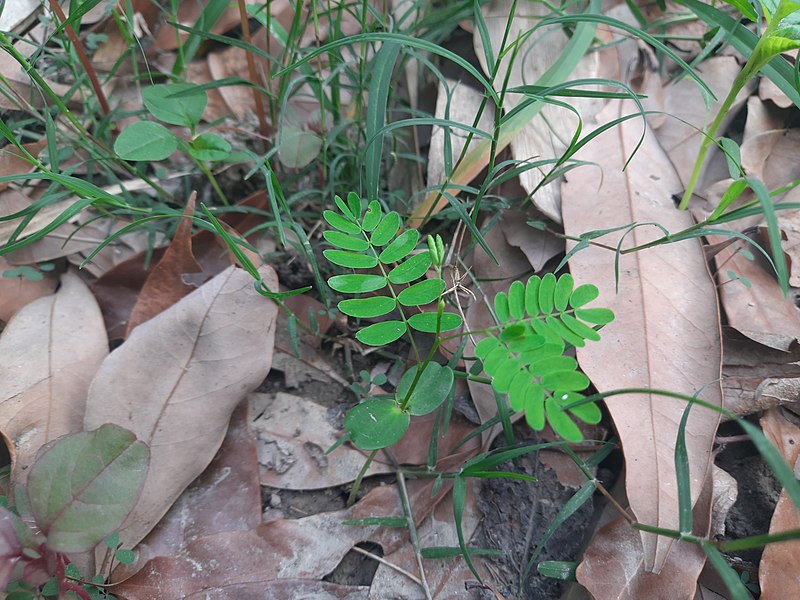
point(293, 434)
point(666, 333)
point(771, 156)
point(307, 548)
point(16, 292)
point(49, 352)
point(177, 379)
point(614, 566)
point(226, 497)
point(780, 563)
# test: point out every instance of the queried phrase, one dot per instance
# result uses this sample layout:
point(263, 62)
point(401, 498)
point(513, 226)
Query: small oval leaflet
point(426, 322)
point(380, 334)
point(412, 269)
point(344, 241)
point(353, 260)
point(386, 230)
point(367, 307)
point(376, 423)
point(400, 247)
point(421, 293)
point(337, 221)
point(357, 283)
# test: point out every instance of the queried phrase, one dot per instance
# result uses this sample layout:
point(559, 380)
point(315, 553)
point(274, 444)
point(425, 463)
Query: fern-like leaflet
point(526, 360)
point(369, 240)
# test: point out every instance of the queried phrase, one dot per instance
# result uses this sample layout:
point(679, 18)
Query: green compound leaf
point(354, 260)
point(357, 283)
point(176, 103)
point(372, 217)
point(366, 308)
point(401, 247)
point(345, 242)
point(386, 230)
point(381, 334)
point(376, 423)
point(412, 269)
point(145, 140)
point(421, 293)
point(426, 322)
point(209, 147)
point(431, 391)
point(83, 485)
point(337, 221)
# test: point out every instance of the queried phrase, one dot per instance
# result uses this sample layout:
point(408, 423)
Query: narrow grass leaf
point(682, 475)
point(729, 577)
point(459, 498)
point(383, 66)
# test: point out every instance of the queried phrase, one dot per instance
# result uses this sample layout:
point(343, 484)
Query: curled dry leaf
point(780, 563)
point(283, 549)
point(726, 490)
point(16, 292)
point(177, 379)
point(49, 353)
point(293, 434)
point(666, 333)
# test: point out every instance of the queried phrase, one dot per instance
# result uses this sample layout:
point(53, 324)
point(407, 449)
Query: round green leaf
point(411, 269)
point(516, 300)
point(345, 242)
point(337, 221)
point(583, 294)
point(372, 217)
point(495, 359)
point(376, 423)
point(209, 147)
point(431, 390)
point(381, 334)
point(503, 374)
point(367, 307)
point(145, 140)
point(354, 260)
point(400, 247)
point(547, 291)
point(426, 322)
point(386, 229)
point(421, 293)
point(176, 103)
point(563, 291)
point(357, 283)
point(83, 485)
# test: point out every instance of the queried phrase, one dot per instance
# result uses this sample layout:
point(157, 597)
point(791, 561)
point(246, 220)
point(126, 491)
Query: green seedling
point(523, 354)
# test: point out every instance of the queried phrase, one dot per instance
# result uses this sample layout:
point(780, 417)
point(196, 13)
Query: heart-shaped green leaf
point(82, 486)
point(145, 140)
point(376, 423)
point(431, 390)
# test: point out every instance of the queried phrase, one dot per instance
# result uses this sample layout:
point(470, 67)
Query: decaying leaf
point(666, 332)
point(780, 563)
point(177, 379)
point(49, 352)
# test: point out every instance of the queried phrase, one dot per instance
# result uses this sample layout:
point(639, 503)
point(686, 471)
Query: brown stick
point(253, 75)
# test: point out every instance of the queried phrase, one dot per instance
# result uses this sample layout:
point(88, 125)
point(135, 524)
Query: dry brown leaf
point(16, 292)
point(763, 116)
point(614, 566)
point(755, 377)
point(771, 156)
point(726, 490)
point(165, 284)
point(12, 161)
point(168, 38)
point(177, 379)
point(50, 351)
point(226, 497)
point(547, 134)
point(538, 246)
point(767, 90)
point(307, 548)
point(780, 563)
point(283, 588)
point(682, 100)
point(760, 311)
point(293, 434)
point(666, 333)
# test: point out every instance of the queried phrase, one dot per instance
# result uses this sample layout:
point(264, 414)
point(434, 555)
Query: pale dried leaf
point(306, 548)
point(461, 107)
point(50, 351)
point(16, 292)
point(16, 15)
point(12, 161)
point(18, 85)
point(293, 434)
point(177, 379)
point(226, 497)
point(763, 116)
point(780, 563)
point(615, 566)
point(666, 333)
point(681, 141)
point(726, 490)
point(771, 156)
point(538, 246)
point(767, 90)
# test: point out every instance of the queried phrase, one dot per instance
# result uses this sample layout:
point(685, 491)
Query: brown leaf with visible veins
point(666, 332)
point(49, 353)
point(226, 497)
point(177, 379)
point(780, 563)
point(165, 284)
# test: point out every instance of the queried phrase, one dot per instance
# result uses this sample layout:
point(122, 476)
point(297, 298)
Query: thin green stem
point(360, 477)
